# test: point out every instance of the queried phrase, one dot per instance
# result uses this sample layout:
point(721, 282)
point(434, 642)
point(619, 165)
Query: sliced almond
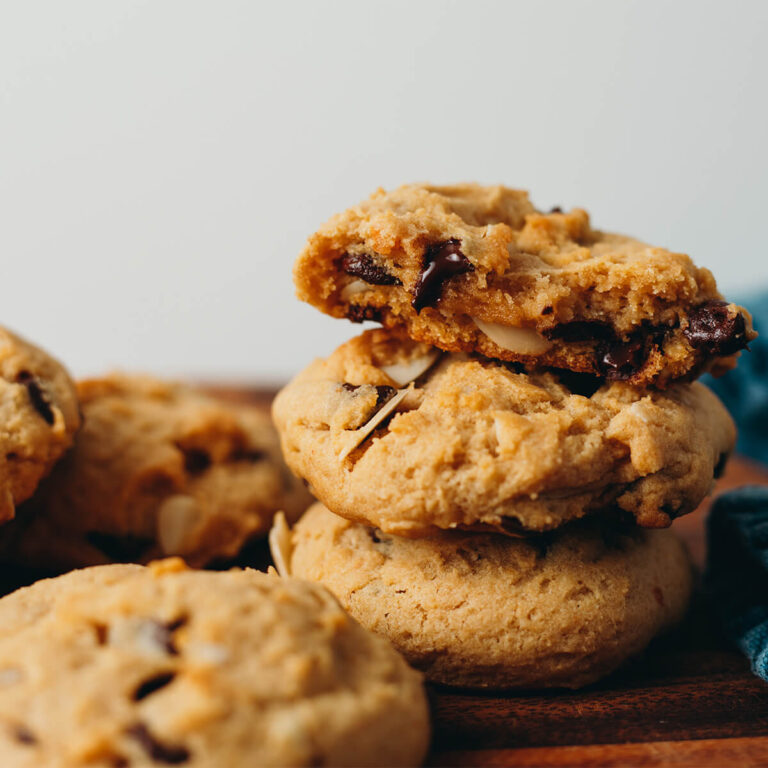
point(280, 544)
point(405, 373)
point(353, 288)
point(360, 434)
point(176, 520)
point(523, 341)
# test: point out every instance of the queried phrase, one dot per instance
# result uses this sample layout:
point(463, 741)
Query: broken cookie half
point(479, 269)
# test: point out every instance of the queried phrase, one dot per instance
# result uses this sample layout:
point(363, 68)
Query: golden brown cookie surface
point(130, 666)
point(158, 469)
point(39, 416)
point(478, 269)
point(560, 610)
point(472, 442)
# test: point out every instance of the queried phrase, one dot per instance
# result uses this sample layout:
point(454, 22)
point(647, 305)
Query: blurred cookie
point(158, 469)
point(475, 443)
point(558, 610)
point(39, 416)
point(129, 666)
point(479, 269)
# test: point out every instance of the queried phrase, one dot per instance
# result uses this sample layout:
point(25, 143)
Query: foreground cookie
point(39, 416)
point(478, 269)
point(560, 610)
point(472, 443)
point(158, 469)
point(131, 666)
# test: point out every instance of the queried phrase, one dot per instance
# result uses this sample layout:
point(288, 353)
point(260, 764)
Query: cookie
point(476, 443)
point(124, 665)
point(558, 610)
point(158, 469)
point(479, 269)
point(39, 413)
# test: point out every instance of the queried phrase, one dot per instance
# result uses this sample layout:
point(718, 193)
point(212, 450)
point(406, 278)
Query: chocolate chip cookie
point(558, 610)
point(158, 469)
point(39, 413)
point(395, 434)
point(124, 665)
point(479, 269)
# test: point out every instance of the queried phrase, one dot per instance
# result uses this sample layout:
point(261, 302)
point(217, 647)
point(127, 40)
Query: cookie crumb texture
point(39, 416)
point(479, 269)
point(158, 469)
point(477, 443)
point(129, 666)
point(484, 610)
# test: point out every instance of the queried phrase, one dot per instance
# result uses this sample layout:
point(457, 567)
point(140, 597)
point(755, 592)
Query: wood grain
point(741, 752)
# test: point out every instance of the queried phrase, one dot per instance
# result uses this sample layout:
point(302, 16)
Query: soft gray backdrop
point(161, 162)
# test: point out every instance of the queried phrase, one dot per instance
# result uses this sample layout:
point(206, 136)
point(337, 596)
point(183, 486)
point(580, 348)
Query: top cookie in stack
point(479, 269)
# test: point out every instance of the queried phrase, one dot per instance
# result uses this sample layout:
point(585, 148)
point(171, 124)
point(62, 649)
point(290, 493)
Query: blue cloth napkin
point(744, 390)
point(736, 579)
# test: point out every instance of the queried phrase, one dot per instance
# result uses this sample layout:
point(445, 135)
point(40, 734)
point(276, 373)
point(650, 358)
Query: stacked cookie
point(498, 463)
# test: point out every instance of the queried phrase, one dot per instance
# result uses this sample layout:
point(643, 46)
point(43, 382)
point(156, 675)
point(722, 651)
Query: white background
point(162, 162)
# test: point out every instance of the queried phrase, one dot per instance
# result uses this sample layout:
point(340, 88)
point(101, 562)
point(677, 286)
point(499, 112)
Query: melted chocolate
point(23, 735)
point(363, 266)
point(715, 329)
point(442, 261)
point(357, 313)
point(153, 684)
point(621, 360)
point(196, 460)
point(383, 392)
point(36, 396)
point(170, 754)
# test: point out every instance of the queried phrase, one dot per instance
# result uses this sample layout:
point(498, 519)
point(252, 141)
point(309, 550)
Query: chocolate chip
point(441, 262)
point(101, 631)
point(363, 266)
point(164, 634)
point(153, 684)
point(252, 455)
point(122, 548)
point(374, 535)
point(357, 313)
point(383, 392)
point(716, 329)
point(556, 209)
point(170, 754)
point(23, 735)
point(36, 396)
point(623, 359)
point(196, 461)
point(547, 311)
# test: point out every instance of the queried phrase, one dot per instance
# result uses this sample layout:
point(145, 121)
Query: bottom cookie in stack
point(485, 610)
